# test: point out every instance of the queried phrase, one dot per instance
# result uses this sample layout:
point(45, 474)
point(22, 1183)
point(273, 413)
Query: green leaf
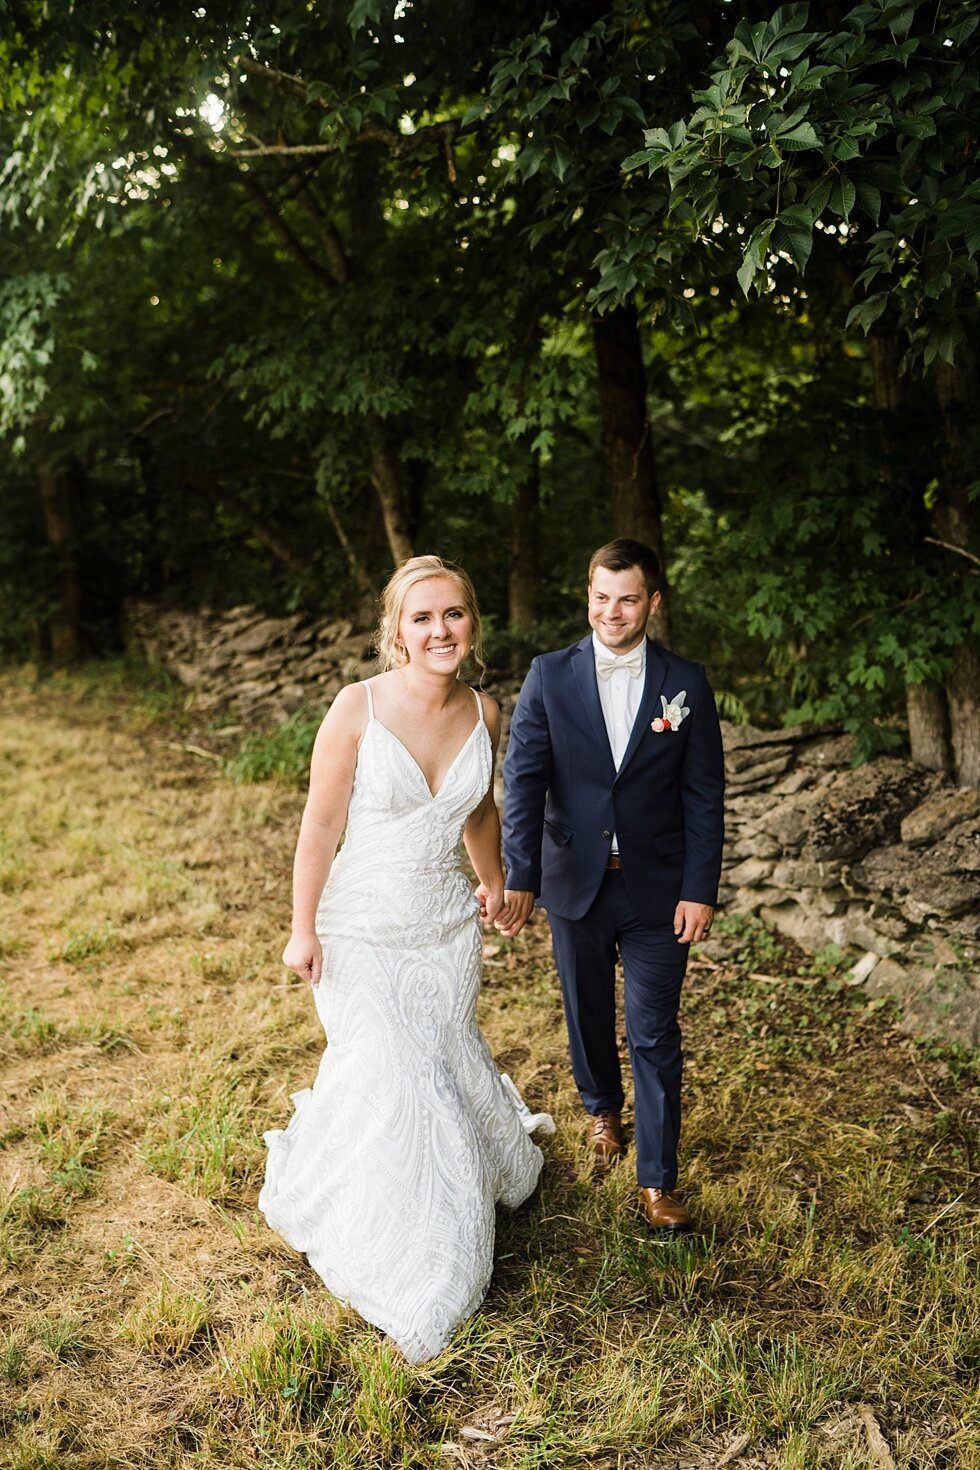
point(818, 197)
point(361, 12)
point(842, 196)
point(631, 108)
point(561, 157)
point(845, 149)
point(900, 22)
point(869, 198)
point(587, 114)
point(478, 109)
point(792, 233)
point(867, 312)
point(800, 138)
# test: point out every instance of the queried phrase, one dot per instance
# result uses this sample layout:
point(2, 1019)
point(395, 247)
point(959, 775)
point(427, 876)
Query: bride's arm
point(324, 818)
point(481, 835)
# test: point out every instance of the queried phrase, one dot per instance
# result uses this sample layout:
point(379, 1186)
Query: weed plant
point(826, 1316)
point(284, 754)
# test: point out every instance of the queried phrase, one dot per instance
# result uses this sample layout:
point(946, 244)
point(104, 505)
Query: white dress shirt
point(619, 697)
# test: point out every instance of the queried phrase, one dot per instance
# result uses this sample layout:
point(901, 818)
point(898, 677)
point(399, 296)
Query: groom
point(613, 815)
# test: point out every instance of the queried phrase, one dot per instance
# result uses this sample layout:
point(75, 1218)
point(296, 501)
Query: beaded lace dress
point(387, 1174)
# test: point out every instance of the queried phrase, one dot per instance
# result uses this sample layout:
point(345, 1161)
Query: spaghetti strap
point(370, 699)
point(479, 706)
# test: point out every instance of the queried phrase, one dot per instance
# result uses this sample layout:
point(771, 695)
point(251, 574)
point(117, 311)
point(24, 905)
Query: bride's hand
point(304, 955)
point(491, 901)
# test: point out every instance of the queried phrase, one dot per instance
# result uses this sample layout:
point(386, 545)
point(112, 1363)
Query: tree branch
point(400, 145)
point(948, 546)
point(267, 150)
point(279, 228)
point(278, 225)
point(283, 79)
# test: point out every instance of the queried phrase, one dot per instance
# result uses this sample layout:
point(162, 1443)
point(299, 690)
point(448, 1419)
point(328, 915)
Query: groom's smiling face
point(619, 606)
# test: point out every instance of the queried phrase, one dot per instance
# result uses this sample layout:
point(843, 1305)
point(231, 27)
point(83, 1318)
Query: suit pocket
point(669, 844)
point(560, 836)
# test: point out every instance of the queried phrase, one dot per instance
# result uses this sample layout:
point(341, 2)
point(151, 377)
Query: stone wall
point(882, 860)
point(245, 664)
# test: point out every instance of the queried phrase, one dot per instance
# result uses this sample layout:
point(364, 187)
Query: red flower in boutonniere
point(674, 711)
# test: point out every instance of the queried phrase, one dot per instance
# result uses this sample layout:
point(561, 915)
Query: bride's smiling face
point(435, 628)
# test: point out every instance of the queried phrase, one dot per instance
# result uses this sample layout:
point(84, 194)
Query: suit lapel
point(583, 666)
point(656, 674)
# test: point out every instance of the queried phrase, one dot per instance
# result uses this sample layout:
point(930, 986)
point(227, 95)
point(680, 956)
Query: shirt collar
point(598, 646)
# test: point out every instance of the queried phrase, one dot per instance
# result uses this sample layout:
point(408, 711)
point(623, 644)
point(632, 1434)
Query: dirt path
point(148, 1034)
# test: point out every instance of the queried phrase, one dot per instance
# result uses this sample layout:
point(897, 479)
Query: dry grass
point(828, 1317)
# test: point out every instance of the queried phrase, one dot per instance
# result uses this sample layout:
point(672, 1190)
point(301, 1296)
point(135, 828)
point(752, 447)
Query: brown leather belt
point(615, 862)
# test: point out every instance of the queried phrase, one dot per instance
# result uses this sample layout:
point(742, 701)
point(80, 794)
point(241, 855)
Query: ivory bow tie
point(632, 662)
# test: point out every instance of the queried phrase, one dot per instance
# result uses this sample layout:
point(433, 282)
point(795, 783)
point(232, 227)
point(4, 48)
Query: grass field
point(828, 1316)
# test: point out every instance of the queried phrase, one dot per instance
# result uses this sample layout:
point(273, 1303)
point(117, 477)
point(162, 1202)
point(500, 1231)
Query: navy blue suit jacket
point(563, 798)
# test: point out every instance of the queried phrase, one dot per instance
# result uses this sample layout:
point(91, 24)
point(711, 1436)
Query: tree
point(856, 144)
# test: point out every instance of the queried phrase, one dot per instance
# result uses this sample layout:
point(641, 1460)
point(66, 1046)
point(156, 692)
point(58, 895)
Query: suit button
point(615, 791)
point(607, 836)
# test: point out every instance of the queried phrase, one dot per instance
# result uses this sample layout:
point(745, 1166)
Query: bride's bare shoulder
point(491, 713)
point(349, 711)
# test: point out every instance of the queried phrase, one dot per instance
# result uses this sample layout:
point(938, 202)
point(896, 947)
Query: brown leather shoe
point(606, 1137)
point(664, 1210)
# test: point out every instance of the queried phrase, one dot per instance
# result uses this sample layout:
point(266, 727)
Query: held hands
point(491, 902)
point(515, 912)
point(692, 921)
point(505, 910)
point(304, 955)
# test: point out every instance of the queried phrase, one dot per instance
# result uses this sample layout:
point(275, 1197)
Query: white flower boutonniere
point(675, 710)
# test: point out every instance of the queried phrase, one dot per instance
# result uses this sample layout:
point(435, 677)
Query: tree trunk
point(928, 726)
point(522, 581)
point(387, 484)
point(59, 524)
point(925, 704)
point(963, 690)
point(367, 231)
point(627, 450)
point(958, 389)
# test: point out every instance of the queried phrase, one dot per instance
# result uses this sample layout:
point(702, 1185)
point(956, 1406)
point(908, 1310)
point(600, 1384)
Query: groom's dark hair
point(621, 554)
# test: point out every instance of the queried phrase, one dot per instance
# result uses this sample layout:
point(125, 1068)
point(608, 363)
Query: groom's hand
point(692, 921)
point(516, 911)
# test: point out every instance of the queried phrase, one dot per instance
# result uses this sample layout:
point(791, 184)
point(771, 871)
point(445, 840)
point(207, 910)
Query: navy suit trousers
point(653, 972)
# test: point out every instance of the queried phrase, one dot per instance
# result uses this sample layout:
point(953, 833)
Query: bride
point(388, 1171)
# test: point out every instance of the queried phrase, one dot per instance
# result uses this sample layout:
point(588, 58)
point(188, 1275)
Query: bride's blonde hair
point(391, 654)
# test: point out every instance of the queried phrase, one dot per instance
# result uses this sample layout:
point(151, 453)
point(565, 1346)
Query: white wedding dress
point(387, 1174)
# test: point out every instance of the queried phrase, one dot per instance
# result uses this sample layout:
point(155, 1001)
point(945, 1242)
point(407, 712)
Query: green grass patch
point(94, 941)
point(26, 1031)
point(173, 1324)
point(282, 755)
point(204, 1138)
point(71, 1138)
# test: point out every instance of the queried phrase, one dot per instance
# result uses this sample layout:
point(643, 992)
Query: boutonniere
point(674, 711)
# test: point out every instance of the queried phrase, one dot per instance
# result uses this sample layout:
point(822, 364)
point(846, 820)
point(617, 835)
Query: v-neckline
point(433, 795)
